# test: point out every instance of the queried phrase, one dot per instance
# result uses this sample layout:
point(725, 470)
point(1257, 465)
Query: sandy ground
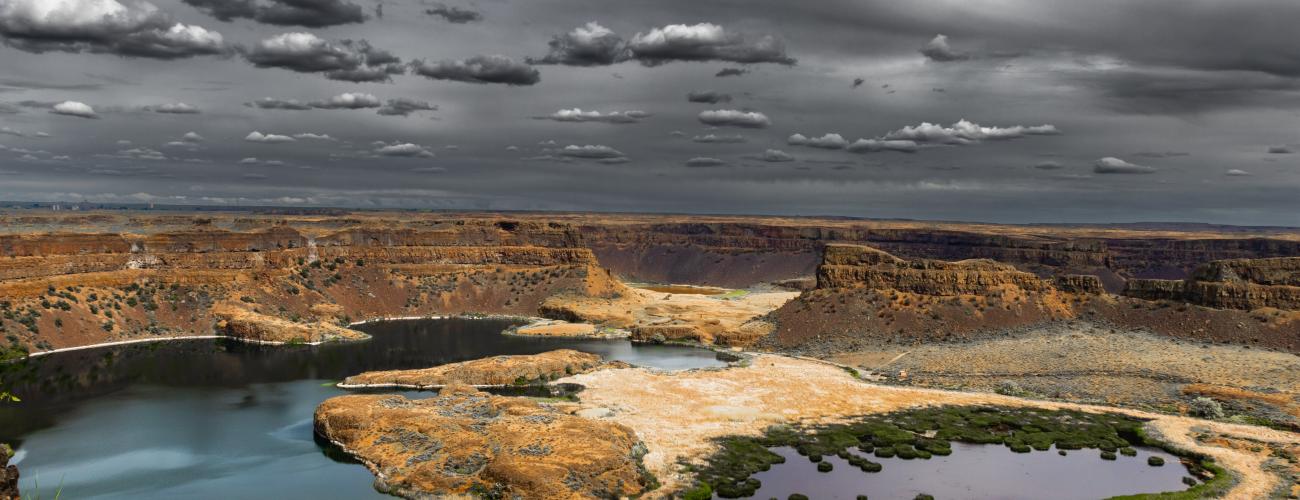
point(719, 318)
point(678, 413)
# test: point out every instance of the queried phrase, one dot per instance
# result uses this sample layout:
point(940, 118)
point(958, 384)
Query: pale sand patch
point(678, 413)
point(557, 329)
point(723, 319)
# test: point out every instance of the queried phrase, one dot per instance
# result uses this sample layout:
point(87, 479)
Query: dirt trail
point(678, 413)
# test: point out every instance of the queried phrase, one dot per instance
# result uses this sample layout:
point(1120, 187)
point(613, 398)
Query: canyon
point(1142, 317)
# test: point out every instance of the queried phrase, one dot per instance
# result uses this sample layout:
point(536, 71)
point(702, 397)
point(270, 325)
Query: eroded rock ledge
point(246, 325)
point(467, 442)
point(487, 372)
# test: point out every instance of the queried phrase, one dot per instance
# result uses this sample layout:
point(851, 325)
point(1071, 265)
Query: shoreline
point(269, 342)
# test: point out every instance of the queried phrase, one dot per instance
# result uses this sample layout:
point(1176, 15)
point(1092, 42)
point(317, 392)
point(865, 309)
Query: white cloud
point(578, 115)
point(590, 151)
point(776, 155)
point(256, 136)
point(1237, 173)
point(734, 118)
point(718, 139)
point(966, 132)
point(877, 145)
point(1112, 165)
point(827, 141)
point(74, 108)
point(192, 137)
point(405, 149)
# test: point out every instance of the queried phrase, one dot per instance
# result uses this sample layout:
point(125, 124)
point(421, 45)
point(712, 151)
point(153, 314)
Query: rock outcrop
point(244, 324)
point(8, 476)
point(856, 265)
point(465, 443)
point(497, 371)
point(1243, 284)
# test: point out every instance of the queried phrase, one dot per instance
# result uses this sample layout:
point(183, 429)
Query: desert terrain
point(824, 320)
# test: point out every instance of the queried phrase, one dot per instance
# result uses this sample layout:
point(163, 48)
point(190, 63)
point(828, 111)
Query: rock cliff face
point(1244, 284)
point(487, 372)
point(868, 295)
point(856, 265)
point(465, 443)
point(274, 284)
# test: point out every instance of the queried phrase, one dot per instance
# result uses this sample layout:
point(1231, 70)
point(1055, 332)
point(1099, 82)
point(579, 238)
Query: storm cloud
point(307, 13)
point(496, 69)
point(347, 60)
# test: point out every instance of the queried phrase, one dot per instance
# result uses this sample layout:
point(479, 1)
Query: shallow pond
point(976, 471)
point(223, 419)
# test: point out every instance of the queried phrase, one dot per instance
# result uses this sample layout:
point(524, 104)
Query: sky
point(1002, 111)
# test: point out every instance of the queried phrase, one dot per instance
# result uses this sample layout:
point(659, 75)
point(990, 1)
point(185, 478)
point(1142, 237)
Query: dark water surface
point(976, 471)
point(223, 419)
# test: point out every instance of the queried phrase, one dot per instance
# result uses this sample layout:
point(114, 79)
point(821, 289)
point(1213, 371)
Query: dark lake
point(223, 419)
point(977, 471)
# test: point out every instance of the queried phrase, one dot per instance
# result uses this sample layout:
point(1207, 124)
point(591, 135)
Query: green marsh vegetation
point(924, 433)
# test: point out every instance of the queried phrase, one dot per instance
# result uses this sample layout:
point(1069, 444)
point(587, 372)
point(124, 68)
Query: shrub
point(1155, 461)
point(1206, 408)
point(1107, 455)
point(824, 467)
point(701, 491)
point(797, 496)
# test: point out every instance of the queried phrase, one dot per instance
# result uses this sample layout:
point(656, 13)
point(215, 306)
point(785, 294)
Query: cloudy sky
point(1008, 110)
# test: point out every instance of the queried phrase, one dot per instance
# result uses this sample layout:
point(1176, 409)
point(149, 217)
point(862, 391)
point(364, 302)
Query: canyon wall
point(275, 284)
point(865, 294)
point(1244, 284)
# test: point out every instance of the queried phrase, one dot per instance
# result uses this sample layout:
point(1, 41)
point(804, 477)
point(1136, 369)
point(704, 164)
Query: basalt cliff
point(70, 279)
point(864, 294)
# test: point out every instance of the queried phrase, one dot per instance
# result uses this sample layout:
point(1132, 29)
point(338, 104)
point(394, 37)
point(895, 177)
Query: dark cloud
point(588, 45)
point(730, 72)
point(1181, 91)
point(308, 13)
point(857, 82)
point(1280, 150)
point(704, 161)
point(404, 107)
point(480, 69)
point(455, 15)
point(1049, 165)
point(708, 96)
point(271, 103)
point(346, 60)
point(734, 118)
point(595, 45)
point(705, 42)
point(878, 145)
point(938, 50)
point(1113, 165)
point(134, 29)
point(775, 156)
point(577, 115)
point(38, 85)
